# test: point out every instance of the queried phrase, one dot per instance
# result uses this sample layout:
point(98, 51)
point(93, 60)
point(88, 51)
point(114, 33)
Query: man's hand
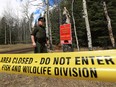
point(33, 41)
point(34, 44)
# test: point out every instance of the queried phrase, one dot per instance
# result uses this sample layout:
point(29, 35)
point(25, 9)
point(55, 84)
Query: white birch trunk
point(109, 25)
point(48, 26)
point(87, 25)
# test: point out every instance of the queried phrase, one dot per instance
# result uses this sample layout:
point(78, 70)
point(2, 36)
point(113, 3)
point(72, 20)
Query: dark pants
point(40, 48)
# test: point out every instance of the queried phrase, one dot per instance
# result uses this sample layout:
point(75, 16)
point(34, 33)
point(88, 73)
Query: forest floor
point(13, 80)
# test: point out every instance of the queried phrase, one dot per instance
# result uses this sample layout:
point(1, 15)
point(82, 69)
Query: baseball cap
point(41, 19)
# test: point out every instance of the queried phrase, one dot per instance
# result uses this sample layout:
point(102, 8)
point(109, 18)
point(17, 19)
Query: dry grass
point(56, 48)
point(13, 47)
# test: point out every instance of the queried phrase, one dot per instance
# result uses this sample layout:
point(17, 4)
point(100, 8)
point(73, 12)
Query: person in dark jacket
point(38, 37)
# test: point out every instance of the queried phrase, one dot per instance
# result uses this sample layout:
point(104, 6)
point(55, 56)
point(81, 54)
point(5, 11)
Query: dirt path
point(10, 80)
point(23, 50)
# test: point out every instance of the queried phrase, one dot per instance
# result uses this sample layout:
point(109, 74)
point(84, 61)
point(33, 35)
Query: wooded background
point(14, 30)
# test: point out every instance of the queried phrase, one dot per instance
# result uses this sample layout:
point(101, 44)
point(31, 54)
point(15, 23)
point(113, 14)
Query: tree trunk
point(87, 25)
point(29, 23)
point(75, 26)
point(59, 10)
point(5, 33)
point(10, 34)
point(109, 25)
point(50, 32)
point(48, 28)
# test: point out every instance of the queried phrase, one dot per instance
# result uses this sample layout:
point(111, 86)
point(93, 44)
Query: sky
point(4, 4)
point(15, 5)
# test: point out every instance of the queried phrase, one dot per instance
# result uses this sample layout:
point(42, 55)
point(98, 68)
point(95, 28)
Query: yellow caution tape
point(88, 65)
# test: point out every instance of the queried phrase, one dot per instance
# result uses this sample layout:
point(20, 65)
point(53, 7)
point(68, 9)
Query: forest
point(14, 30)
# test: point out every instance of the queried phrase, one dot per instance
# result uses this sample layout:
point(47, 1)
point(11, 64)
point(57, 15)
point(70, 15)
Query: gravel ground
point(11, 80)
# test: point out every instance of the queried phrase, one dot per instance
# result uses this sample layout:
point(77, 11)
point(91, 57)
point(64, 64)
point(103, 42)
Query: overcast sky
point(4, 4)
point(14, 5)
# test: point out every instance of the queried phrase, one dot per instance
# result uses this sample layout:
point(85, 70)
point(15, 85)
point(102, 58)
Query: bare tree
point(75, 25)
point(48, 24)
point(87, 25)
point(109, 25)
point(3, 26)
point(27, 17)
point(25, 10)
point(8, 14)
point(13, 27)
point(5, 33)
point(66, 13)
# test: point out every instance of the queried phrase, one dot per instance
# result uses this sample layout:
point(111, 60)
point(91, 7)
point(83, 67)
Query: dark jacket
point(39, 34)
